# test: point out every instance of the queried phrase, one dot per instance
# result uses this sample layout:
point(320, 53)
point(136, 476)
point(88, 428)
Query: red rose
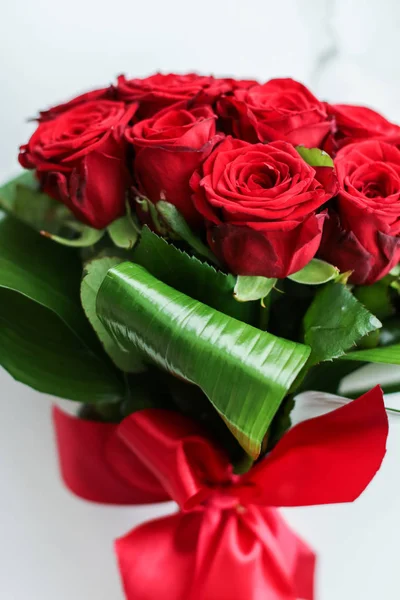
point(160, 91)
point(260, 202)
point(281, 109)
point(102, 94)
point(79, 157)
point(169, 147)
point(356, 123)
point(236, 84)
point(362, 233)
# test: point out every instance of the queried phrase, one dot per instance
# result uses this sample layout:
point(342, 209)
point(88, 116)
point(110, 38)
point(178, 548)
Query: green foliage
point(45, 339)
point(316, 272)
point(252, 288)
point(85, 237)
point(191, 276)
point(315, 157)
point(95, 272)
point(376, 298)
point(385, 354)
point(327, 376)
point(124, 232)
point(335, 322)
point(244, 372)
point(177, 224)
point(22, 198)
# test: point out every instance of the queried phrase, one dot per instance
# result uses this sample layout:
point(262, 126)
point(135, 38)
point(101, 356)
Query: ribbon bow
point(227, 542)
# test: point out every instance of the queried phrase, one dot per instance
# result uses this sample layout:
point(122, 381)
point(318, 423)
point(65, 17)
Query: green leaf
point(45, 339)
point(244, 372)
point(316, 272)
point(252, 288)
point(335, 322)
point(22, 198)
point(315, 157)
point(178, 225)
point(191, 276)
point(37, 349)
point(386, 355)
point(124, 232)
point(95, 272)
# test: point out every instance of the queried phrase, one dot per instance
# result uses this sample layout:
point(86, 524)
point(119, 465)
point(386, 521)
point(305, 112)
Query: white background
point(56, 547)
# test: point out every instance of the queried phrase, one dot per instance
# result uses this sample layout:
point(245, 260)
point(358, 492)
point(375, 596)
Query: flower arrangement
point(183, 255)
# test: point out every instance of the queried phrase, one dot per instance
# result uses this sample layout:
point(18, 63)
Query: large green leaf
point(335, 322)
point(22, 198)
point(46, 341)
point(37, 349)
point(191, 276)
point(95, 272)
point(244, 372)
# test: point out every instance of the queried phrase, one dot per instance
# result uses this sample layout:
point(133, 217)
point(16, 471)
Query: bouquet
point(182, 256)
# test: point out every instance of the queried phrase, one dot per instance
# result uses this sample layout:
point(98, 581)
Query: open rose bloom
point(182, 255)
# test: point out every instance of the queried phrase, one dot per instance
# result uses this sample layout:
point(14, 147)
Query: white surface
point(53, 546)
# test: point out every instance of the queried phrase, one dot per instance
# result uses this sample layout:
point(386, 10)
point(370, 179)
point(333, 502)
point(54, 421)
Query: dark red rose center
point(267, 177)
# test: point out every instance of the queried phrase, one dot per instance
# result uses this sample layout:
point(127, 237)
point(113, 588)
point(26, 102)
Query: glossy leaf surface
point(191, 276)
point(244, 372)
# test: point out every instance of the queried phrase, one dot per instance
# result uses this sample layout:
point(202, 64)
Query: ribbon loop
point(325, 460)
point(178, 452)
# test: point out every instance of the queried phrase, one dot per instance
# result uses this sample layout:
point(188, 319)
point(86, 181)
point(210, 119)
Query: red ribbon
point(227, 542)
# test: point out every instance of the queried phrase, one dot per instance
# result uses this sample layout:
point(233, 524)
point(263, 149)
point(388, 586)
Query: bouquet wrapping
point(182, 256)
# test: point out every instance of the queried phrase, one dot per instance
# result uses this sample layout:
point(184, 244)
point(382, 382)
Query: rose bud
point(281, 109)
point(357, 123)
point(168, 148)
point(261, 202)
point(160, 91)
point(361, 234)
point(79, 158)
